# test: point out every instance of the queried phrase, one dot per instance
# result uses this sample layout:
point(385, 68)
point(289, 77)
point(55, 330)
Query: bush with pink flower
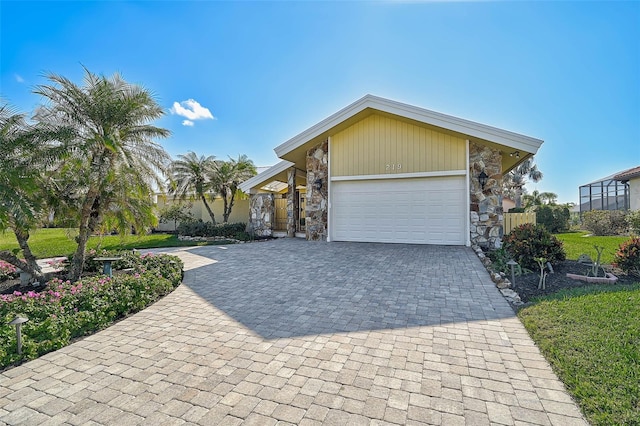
point(7, 271)
point(65, 310)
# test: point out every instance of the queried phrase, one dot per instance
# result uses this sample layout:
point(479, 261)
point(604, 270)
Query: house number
point(393, 167)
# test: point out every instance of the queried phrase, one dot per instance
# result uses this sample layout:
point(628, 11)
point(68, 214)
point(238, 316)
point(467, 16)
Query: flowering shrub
point(67, 310)
point(628, 257)
point(528, 241)
point(7, 270)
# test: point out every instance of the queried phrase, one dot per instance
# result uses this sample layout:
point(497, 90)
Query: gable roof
point(293, 151)
point(448, 122)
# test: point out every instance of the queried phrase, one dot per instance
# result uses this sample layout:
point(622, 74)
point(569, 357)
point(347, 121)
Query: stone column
point(486, 217)
point(293, 211)
point(317, 199)
point(261, 215)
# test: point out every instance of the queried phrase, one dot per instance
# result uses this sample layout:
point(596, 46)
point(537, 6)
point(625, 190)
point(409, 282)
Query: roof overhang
point(277, 173)
point(295, 148)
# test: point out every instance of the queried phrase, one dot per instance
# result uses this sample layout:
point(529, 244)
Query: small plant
point(528, 241)
point(628, 257)
point(597, 265)
point(542, 265)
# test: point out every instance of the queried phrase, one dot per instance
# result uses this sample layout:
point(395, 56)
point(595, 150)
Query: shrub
point(554, 218)
point(66, 310)
point(628, 257)
point(633, 221)
point(517, 210)
point(198, 228)
point(528, 241)
point(7, 271)
point(605, 222)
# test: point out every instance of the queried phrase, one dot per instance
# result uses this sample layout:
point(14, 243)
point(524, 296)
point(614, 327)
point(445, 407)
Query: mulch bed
point(527, 285)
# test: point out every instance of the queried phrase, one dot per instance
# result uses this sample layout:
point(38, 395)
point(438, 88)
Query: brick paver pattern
point(296, 332)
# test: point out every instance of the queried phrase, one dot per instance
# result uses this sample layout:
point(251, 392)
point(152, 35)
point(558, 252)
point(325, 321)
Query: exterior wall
point(382, 145)
point(316, 201)
point(262, 215)
point(292, 203)
point(486, 215)
point(634, 194)
point(240, 212)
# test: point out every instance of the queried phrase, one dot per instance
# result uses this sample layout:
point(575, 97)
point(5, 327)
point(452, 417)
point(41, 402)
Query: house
point(383, 171)
point(619, 191)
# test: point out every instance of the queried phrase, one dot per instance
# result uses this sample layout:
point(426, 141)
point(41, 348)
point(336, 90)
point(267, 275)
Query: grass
point(53, 242)
point(591, 336)
point(577, 243)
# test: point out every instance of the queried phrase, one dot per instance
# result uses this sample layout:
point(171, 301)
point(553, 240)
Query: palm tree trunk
point(23, 241)
point(518, 199)
point(227, 209)
point(206, 205)
point(83, 235)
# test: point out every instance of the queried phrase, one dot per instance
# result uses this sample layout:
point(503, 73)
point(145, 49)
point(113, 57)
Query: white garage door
point(418, 211)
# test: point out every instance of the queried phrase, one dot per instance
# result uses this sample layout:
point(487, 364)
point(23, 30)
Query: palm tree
point(227, 176)
point(111, 139)
point(514, 181)
point(190, 179)
point(19, 201)
point(538, 198)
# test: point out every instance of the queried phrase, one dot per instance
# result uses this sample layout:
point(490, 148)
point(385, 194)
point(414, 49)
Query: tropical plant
point(537, 198)
point(527, 242)
point(22, 161)
point(513, 182)
point(111, 141)
point(226, 177)
point(190, 179)
point(628, 257)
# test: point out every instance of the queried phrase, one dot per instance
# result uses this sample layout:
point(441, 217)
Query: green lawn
point(52, 242)
point(592, 339)
point(577, 243)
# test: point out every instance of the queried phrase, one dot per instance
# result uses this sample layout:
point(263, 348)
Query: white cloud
point(191, 110)
point(19, 78)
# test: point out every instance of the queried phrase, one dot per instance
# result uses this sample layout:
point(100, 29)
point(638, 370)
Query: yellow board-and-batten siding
point(378, 145)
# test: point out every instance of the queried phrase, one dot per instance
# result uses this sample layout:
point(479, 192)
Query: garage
point(429, 210)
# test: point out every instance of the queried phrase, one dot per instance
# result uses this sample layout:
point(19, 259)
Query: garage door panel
point(422, 211)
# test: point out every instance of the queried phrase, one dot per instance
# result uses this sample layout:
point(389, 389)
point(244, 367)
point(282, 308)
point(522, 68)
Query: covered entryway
point(427, 210)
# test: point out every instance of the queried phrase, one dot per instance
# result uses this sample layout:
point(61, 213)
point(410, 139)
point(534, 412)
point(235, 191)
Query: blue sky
point(564, 72)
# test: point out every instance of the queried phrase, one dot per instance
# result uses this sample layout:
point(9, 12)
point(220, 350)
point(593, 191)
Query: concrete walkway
point(295, 332)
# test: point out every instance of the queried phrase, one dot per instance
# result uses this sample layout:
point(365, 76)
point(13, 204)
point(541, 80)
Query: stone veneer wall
point(292, 203)
point(316, 206)
point(261, 215)
point(486, 214)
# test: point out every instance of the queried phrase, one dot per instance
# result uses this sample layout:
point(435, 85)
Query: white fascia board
point(471, 128)
point(260, 179)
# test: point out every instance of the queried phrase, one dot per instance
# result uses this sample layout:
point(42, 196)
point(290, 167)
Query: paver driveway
point(298, 332)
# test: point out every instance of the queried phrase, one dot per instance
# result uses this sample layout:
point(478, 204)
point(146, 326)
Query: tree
point(190, 178)
point(537, 198)
point(227, 176)
point(176, 213)
point(19, 201)
point(111, 147)
point(514, 181)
